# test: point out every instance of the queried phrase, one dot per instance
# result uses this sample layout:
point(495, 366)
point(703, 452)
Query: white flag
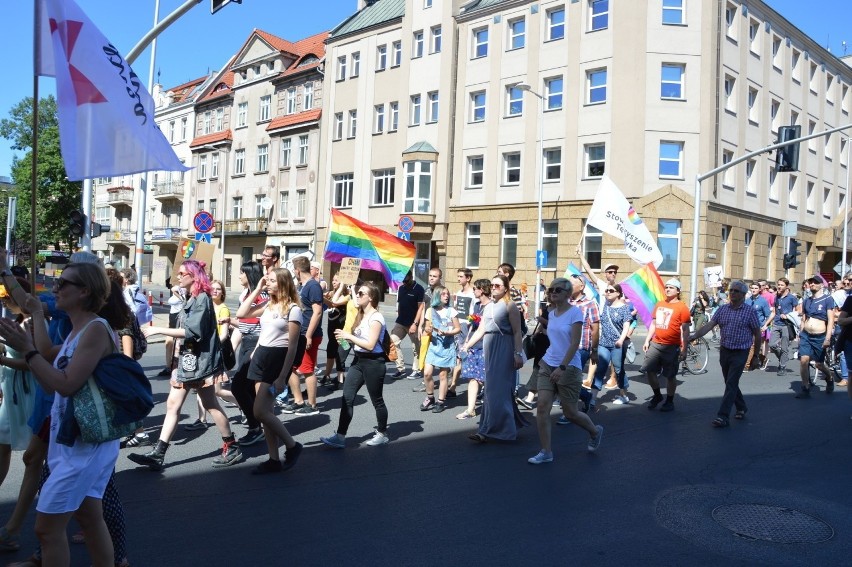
point(106, 116)
point(612, 214)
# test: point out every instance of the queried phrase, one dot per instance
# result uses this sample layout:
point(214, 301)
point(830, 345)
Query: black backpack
point(140, 342)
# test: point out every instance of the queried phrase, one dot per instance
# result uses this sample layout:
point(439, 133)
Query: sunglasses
point(361, 293)
point(497, 285)
point(62, 282)
point(611, 271)
point(556, 289)
point(609, 291)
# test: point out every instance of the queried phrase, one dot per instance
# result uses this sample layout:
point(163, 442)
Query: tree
point(56, 196)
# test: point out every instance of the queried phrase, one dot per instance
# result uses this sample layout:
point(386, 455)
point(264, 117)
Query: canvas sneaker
point(231, 454)
point(541, 458)
point(621, 400)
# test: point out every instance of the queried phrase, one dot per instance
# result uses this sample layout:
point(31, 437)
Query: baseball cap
point(316, 265)
point(674, 282)
point(610, 267)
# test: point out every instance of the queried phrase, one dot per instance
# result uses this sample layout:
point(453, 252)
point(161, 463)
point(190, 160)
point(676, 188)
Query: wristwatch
point(519, 353)
point(562, 367)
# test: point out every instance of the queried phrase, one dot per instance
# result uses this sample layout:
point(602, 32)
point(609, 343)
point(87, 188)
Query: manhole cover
point(772, 523)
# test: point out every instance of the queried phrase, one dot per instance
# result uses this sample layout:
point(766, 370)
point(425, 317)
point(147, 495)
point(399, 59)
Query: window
point(595, 155)
point(355, 60)
point(671, 159)
point(435, 41)
point(341, 68)
point(183, 129)
point(814, 78)
point(475, 168)
point(555, 24)
point(826, 202)
point(794, 118)
point(338, 126)
point(262, 158)
point(517, 33)
point(731, 21)
point(396, 55)
point(509, 242)
point(730, 94)
point(480, 43)
point(284, 204)
point(265, 107)
point(668, 239)
point(774, 107)
point(843, 153)
point(207, 121)
point(671, 80)
point(748, 237)
point(353, 123)
point(213, 207)
point(596, 86)
point(291, 101)
point(770, 256)
point(811, 197)
point(308, 96)
point(417, 45)
point(381, 57)
point(427, 4)
point(418, 187)
point(841, 201)
point(258, 206)
point(214, 165)
point(829, 90)
point(432, 97)
point(751, 178)
point(792, 193)
point(237, 208)
point(553, 89)
point(471, 252)
point(773, 184)
point(415, 110)
point(776, 52)
point(511, 168)
point(172, 131)
point(242, 114)
point(202, 168)
point(673, 14)
point(598, 15)
point(550, 241)
point(753, 105)
point(728, 174)
point(514, 101)
point(384, 183)
point(552, 164)
point(726, 233)
point(220, 119)
point(754, 37)
point(844, 99)
point(829, 153)
point(812, 143)
point(477, 106)
point(593, 246)
point(239, 162)
point(303, 149)
point(379, 119)
point(343, 188)
point(301, 203)
point(795, 68)
point(393, 119)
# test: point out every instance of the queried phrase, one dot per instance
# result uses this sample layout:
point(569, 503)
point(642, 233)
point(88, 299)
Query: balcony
point(169, 190)
point(122, 237)
point(243, 227)
point(120, 196)
point(166, 235)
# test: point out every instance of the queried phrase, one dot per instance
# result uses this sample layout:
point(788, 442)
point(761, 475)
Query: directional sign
point(203, 237)
point(406, 223)
point(403, 235)
point(203, 222)
point(541, 259)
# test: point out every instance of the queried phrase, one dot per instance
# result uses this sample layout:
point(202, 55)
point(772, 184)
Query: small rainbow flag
point(591, 288)
point(644, 288)
point(350, 238)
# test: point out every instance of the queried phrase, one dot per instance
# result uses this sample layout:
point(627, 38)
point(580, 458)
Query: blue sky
point(199, 41)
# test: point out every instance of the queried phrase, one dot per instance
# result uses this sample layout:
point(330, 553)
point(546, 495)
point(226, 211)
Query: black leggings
point(364, 371)
point(241, 386)
point(332, 347)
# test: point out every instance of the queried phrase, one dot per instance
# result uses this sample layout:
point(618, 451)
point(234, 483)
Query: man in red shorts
point(666, 344)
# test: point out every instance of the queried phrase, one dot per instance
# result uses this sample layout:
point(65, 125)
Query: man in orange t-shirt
point(666, 344)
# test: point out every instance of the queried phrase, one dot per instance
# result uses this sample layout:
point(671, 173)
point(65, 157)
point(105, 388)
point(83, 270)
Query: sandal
point(478, 437)
point(740, 414)
point(720, 422)
point(466, 415)
point(9, 542)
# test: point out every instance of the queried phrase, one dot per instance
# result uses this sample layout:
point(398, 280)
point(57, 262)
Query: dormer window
point(270, 66)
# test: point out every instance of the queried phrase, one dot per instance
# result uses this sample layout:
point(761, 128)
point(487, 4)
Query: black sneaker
point(267, 467)
point(231, 454)
point(452, 394)
point(306, 410)
point(153, 459)
point(655, 401)
point(525, 404)
point(398, 374)
point(140, 440)
point(164, 372)
point(291, 456)
point(439, 407)
point(251, 437)
point(668, 406)
point(829, 386)
point(292, 407)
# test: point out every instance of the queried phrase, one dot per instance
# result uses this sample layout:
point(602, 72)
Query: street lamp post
point(540, 172)
point(846, 208)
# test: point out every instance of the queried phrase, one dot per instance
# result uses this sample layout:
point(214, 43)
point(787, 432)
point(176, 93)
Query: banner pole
point(34, 165)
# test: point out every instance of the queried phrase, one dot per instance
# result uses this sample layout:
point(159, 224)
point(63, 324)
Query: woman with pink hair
point(198, 366)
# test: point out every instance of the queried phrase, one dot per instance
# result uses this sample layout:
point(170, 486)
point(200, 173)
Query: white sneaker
point(621, 400)
point(379, 438)
point(337, 441)
point(540, 458)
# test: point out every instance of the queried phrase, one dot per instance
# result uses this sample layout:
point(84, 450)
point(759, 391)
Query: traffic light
point(791, 258)
point(76, 223)
point(787, 158)
point(98, 229)
point(216, 5)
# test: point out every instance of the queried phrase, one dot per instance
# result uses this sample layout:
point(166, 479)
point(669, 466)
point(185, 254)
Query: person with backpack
point(370, 340)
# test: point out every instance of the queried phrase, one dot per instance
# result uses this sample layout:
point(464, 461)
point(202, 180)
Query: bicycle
point(697, 356)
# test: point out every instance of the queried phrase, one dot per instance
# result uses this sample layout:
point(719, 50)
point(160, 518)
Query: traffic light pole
point(693, 278)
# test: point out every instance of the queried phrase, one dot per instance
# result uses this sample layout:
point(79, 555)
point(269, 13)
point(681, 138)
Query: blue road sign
point(203, 221)
point(203, 237)
point(403, 235)
point(541, 259)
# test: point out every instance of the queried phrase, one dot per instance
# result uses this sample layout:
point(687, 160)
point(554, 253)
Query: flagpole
point(34, 165)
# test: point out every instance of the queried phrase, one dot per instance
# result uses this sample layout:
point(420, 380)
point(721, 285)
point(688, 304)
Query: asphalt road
point(663, 489)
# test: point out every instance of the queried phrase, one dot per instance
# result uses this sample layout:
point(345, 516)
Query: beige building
point(651, 93)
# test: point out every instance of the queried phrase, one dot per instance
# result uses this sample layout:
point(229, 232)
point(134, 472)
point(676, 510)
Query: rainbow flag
point(644, 288)
point(350, 238)
point(591, 288)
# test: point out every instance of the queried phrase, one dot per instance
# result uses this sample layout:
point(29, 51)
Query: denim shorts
point(811, 346)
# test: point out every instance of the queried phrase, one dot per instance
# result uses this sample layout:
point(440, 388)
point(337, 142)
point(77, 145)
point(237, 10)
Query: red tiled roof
point(314, 44)
point(276, 42)
point(294, 119)
point(181, 91)
point(227, 80)
point(211, 138)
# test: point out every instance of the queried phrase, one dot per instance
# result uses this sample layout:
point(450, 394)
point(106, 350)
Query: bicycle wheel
point(697, 355)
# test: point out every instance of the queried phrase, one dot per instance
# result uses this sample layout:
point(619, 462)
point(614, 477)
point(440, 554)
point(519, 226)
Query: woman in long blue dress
point(501, 330)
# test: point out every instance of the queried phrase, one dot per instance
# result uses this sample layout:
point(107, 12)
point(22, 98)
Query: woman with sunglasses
point(442, 323)
point(368, 332)
point(500, 329)
point(616, 318)
point(79, 473)
point(199, 367)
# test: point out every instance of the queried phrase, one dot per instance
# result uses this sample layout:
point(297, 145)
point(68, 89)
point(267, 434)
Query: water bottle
point(344, 344)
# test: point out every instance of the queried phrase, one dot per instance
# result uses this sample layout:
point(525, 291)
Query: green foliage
point(55, 195)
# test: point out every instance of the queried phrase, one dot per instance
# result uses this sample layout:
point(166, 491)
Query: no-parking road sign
point(203, 222)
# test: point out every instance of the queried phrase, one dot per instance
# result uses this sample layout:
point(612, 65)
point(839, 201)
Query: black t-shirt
point(408, 300)
point(310, 294)
point(846, 333)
